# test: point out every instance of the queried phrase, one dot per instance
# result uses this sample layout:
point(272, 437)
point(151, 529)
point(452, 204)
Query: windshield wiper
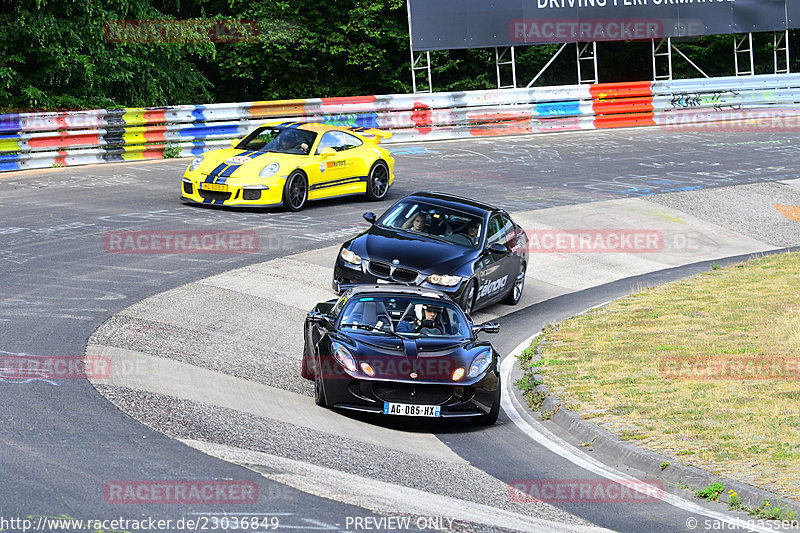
point(371, 328)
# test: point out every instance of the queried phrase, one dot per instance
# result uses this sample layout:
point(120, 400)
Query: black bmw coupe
point(471, 250)
point(402, 351)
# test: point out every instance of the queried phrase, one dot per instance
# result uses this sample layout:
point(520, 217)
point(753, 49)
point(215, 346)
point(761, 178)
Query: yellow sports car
point(289, 164)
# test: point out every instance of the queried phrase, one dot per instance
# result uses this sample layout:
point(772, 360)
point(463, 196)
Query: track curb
point(649, 462)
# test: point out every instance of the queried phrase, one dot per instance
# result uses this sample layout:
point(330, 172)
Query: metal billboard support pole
point(425, 67)
point(499, 60)
point(742, 47)
point(584, 55)
point(658, 52)
point(417, 59)
point(538, 75)
point(780, 43)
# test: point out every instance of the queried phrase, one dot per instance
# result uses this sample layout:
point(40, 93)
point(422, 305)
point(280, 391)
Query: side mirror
point(370, 217)
point(327, 152)
point(497, 248)
point(488, 327)
point(320, 318)
point(234, 142)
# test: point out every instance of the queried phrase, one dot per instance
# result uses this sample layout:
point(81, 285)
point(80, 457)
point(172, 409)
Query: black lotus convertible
point(403, 351)
point(470, 250)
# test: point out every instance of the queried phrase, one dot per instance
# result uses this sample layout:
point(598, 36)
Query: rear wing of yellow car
point(377, 135)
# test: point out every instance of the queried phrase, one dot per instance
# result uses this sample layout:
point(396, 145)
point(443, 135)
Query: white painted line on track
point(559, 446)
point(380, 496)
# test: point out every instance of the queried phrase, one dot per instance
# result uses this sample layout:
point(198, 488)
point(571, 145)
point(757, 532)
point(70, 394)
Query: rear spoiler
point(379, 135)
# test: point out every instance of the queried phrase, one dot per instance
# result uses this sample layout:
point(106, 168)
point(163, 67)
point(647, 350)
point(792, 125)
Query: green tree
point(61, 54)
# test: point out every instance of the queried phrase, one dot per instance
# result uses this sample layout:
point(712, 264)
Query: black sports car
point(401, 350)
point(472, 251)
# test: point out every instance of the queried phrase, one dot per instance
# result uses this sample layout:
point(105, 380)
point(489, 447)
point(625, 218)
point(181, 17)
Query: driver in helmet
point(429, 324)
point(290, 142)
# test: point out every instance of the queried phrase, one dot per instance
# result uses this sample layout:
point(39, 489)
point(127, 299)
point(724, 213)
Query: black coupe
point(472, 251)
point(404, 351)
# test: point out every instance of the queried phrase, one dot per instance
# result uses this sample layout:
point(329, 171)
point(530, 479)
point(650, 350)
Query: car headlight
point(480, 363)
point(444, 279)
point(351, 257)
point(269, 171)
point(344, 356)
point(195, 163)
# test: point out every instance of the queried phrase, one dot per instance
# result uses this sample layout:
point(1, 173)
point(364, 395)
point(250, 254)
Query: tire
point(516, 290)
point(468, 300)
point(319, 388)
point(295, 192)
point(378, 181)
point(491, 417)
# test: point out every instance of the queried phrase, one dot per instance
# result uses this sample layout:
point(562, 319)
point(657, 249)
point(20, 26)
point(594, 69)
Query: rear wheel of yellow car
point(295, 192)
point(378, 181)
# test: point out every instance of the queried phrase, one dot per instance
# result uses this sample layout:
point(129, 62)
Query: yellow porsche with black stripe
point(289, 164)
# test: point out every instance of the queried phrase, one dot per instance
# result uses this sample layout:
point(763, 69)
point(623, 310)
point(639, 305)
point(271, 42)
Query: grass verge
point(704, 370)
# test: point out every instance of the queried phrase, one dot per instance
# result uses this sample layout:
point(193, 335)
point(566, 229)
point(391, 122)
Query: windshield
point(406, 316)
point(435, 221)
point(280, 140)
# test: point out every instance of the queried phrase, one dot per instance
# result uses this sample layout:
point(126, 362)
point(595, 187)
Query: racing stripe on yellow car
point(335, 183)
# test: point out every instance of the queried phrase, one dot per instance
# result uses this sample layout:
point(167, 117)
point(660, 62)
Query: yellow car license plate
point(214, 187)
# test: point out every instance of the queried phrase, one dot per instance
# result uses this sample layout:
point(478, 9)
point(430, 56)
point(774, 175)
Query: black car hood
point(413, 251)
point(432, 359)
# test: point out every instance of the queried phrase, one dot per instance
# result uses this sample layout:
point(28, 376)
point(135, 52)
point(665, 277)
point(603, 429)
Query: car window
point(403, 315)
point(332, 139)
point(351, 141)
point(437, 221)
point(280, 140)
point(258, 139)
point(496, 231)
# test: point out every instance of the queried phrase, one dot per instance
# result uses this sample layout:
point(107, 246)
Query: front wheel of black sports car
point(516, 290)
point(378, 181)
point(468, 301)
point(491, 417)
point(295, 192)
point(319, 393)
point(319, 386)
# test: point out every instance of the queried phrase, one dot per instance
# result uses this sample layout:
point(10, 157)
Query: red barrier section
point(622, 105)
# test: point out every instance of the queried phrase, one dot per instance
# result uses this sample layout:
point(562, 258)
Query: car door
point(495, 270)
point(339, 173)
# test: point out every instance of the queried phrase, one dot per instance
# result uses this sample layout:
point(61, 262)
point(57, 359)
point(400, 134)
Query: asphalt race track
point(217, 334)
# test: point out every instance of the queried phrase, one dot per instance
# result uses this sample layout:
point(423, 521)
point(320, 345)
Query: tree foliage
point(58, 54)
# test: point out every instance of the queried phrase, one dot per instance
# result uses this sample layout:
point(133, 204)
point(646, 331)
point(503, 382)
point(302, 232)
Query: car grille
point(187, 187)
point(251, 194)
point(412, 393)
point(385, 271)
point(214, 195)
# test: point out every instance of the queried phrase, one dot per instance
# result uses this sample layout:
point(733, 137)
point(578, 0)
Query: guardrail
point(41, 140)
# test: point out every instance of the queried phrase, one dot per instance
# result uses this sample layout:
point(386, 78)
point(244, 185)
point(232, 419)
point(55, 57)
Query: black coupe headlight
point(480, 363)
point(344, 356)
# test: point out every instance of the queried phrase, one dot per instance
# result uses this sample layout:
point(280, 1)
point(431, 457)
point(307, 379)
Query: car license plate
point(383, 280)
point(214, 187)
point(407, 409)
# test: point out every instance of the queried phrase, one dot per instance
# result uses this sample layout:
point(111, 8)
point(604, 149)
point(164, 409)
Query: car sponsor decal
point(492, 286)
point(237, 160)
point(322, 167)
point(336, 164)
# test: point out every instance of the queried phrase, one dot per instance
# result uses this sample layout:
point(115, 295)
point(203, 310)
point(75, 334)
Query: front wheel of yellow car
point(378, 181)
point(295, 192)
